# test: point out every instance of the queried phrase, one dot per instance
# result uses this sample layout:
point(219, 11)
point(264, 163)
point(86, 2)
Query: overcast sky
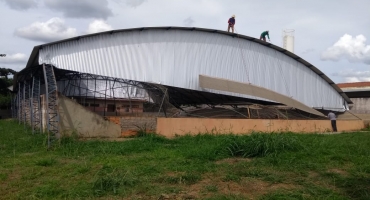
point(332, 35)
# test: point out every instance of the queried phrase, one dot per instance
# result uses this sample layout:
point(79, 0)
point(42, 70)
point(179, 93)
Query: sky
point(332, 35)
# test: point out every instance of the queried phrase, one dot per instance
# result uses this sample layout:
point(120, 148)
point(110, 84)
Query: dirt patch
point(106, 139)
point(233, 160)
point(338, 171)
point(312, 174)
point(5, 188)
point(67, 161)
point(247, 187)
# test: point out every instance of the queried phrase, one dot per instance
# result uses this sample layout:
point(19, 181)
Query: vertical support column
point(27, 110)
point(105, 97)
point(12, 106)
point(94, 94)
point(36, 121)
point(87, 90)
point(30, 102)
point(129, 98)
point(52, 113)
point(23, 104)
point(19, 102)
point(114, 98)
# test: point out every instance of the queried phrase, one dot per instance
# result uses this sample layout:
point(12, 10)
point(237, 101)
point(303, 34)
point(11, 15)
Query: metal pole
point(114, 98)
point(24, 105)
point(164, 96)
point(105, 96)
point(129, 98)
point(79, 91)
point(31, 105)
point(19, 104)
point(87, 90)
point(47, 103)
point(94, 93)
point(39, 105)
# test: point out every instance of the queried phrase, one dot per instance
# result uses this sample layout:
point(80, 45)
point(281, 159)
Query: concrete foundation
point(75, 118)
point(170, 127)
point(131, 125)
point(360, 105)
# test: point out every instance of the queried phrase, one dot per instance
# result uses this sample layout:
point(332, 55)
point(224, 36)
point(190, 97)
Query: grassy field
point(260, 166)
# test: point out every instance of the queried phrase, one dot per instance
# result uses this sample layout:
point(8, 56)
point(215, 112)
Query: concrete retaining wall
point(131, 125)
point(360, 105)
point(76, 118)
point(171, 127)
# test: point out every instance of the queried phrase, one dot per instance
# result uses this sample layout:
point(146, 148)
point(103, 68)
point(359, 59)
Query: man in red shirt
point(231, 24)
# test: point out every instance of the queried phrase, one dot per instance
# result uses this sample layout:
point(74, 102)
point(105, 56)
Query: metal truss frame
point(36, 121)
point(51, 103)
point(27, 105)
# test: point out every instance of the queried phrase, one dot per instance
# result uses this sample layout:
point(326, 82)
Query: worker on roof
point(263, 36)
point(231, 24)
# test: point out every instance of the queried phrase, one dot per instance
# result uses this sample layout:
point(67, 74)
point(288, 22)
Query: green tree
point(5, 72)
point(5, 82)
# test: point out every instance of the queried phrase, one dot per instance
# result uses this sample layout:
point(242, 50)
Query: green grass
point(259, 166)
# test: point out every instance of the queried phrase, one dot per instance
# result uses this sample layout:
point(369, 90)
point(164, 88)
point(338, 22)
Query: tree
point(5, 72)
point(5, 82)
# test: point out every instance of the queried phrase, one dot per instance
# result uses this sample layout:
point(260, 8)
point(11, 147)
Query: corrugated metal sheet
point(111, 89)
point(176, 58)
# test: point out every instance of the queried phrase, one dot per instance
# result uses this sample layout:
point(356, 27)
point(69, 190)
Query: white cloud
point(310, 50)
point(356, 79)
point(188, 21)
point(18, 58)
point(354, 76)
point(52, 30)
point(134, 3)
point(354, 49)
point(81, 8)
point(98, 26)
point(21, 4)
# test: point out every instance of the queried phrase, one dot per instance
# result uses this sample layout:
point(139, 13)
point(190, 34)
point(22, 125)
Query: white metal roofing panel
point(176, 58)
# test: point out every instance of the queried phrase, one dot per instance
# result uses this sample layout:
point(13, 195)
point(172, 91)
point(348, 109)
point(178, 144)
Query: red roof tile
point(355, 84)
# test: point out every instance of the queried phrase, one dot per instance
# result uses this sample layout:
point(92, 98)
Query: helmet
point(233, 16)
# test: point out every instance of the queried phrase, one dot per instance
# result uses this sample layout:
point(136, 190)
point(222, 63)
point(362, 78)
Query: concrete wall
point(365, 118)
point(170, 127)
point(74, 117)
point(130, 125)
point(360, 105)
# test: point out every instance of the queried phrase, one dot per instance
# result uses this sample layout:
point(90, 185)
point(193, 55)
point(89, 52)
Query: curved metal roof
point(34, 55)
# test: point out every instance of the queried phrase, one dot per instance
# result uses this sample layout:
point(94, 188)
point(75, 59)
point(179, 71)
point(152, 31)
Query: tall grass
point(260, 145)
point(319, 166)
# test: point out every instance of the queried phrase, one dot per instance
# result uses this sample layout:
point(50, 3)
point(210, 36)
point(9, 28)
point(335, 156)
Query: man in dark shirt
point(231, 24)
point(333, 120)
point(264, 34)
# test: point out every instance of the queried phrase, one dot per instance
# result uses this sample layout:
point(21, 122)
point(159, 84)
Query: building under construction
point(169, 72)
